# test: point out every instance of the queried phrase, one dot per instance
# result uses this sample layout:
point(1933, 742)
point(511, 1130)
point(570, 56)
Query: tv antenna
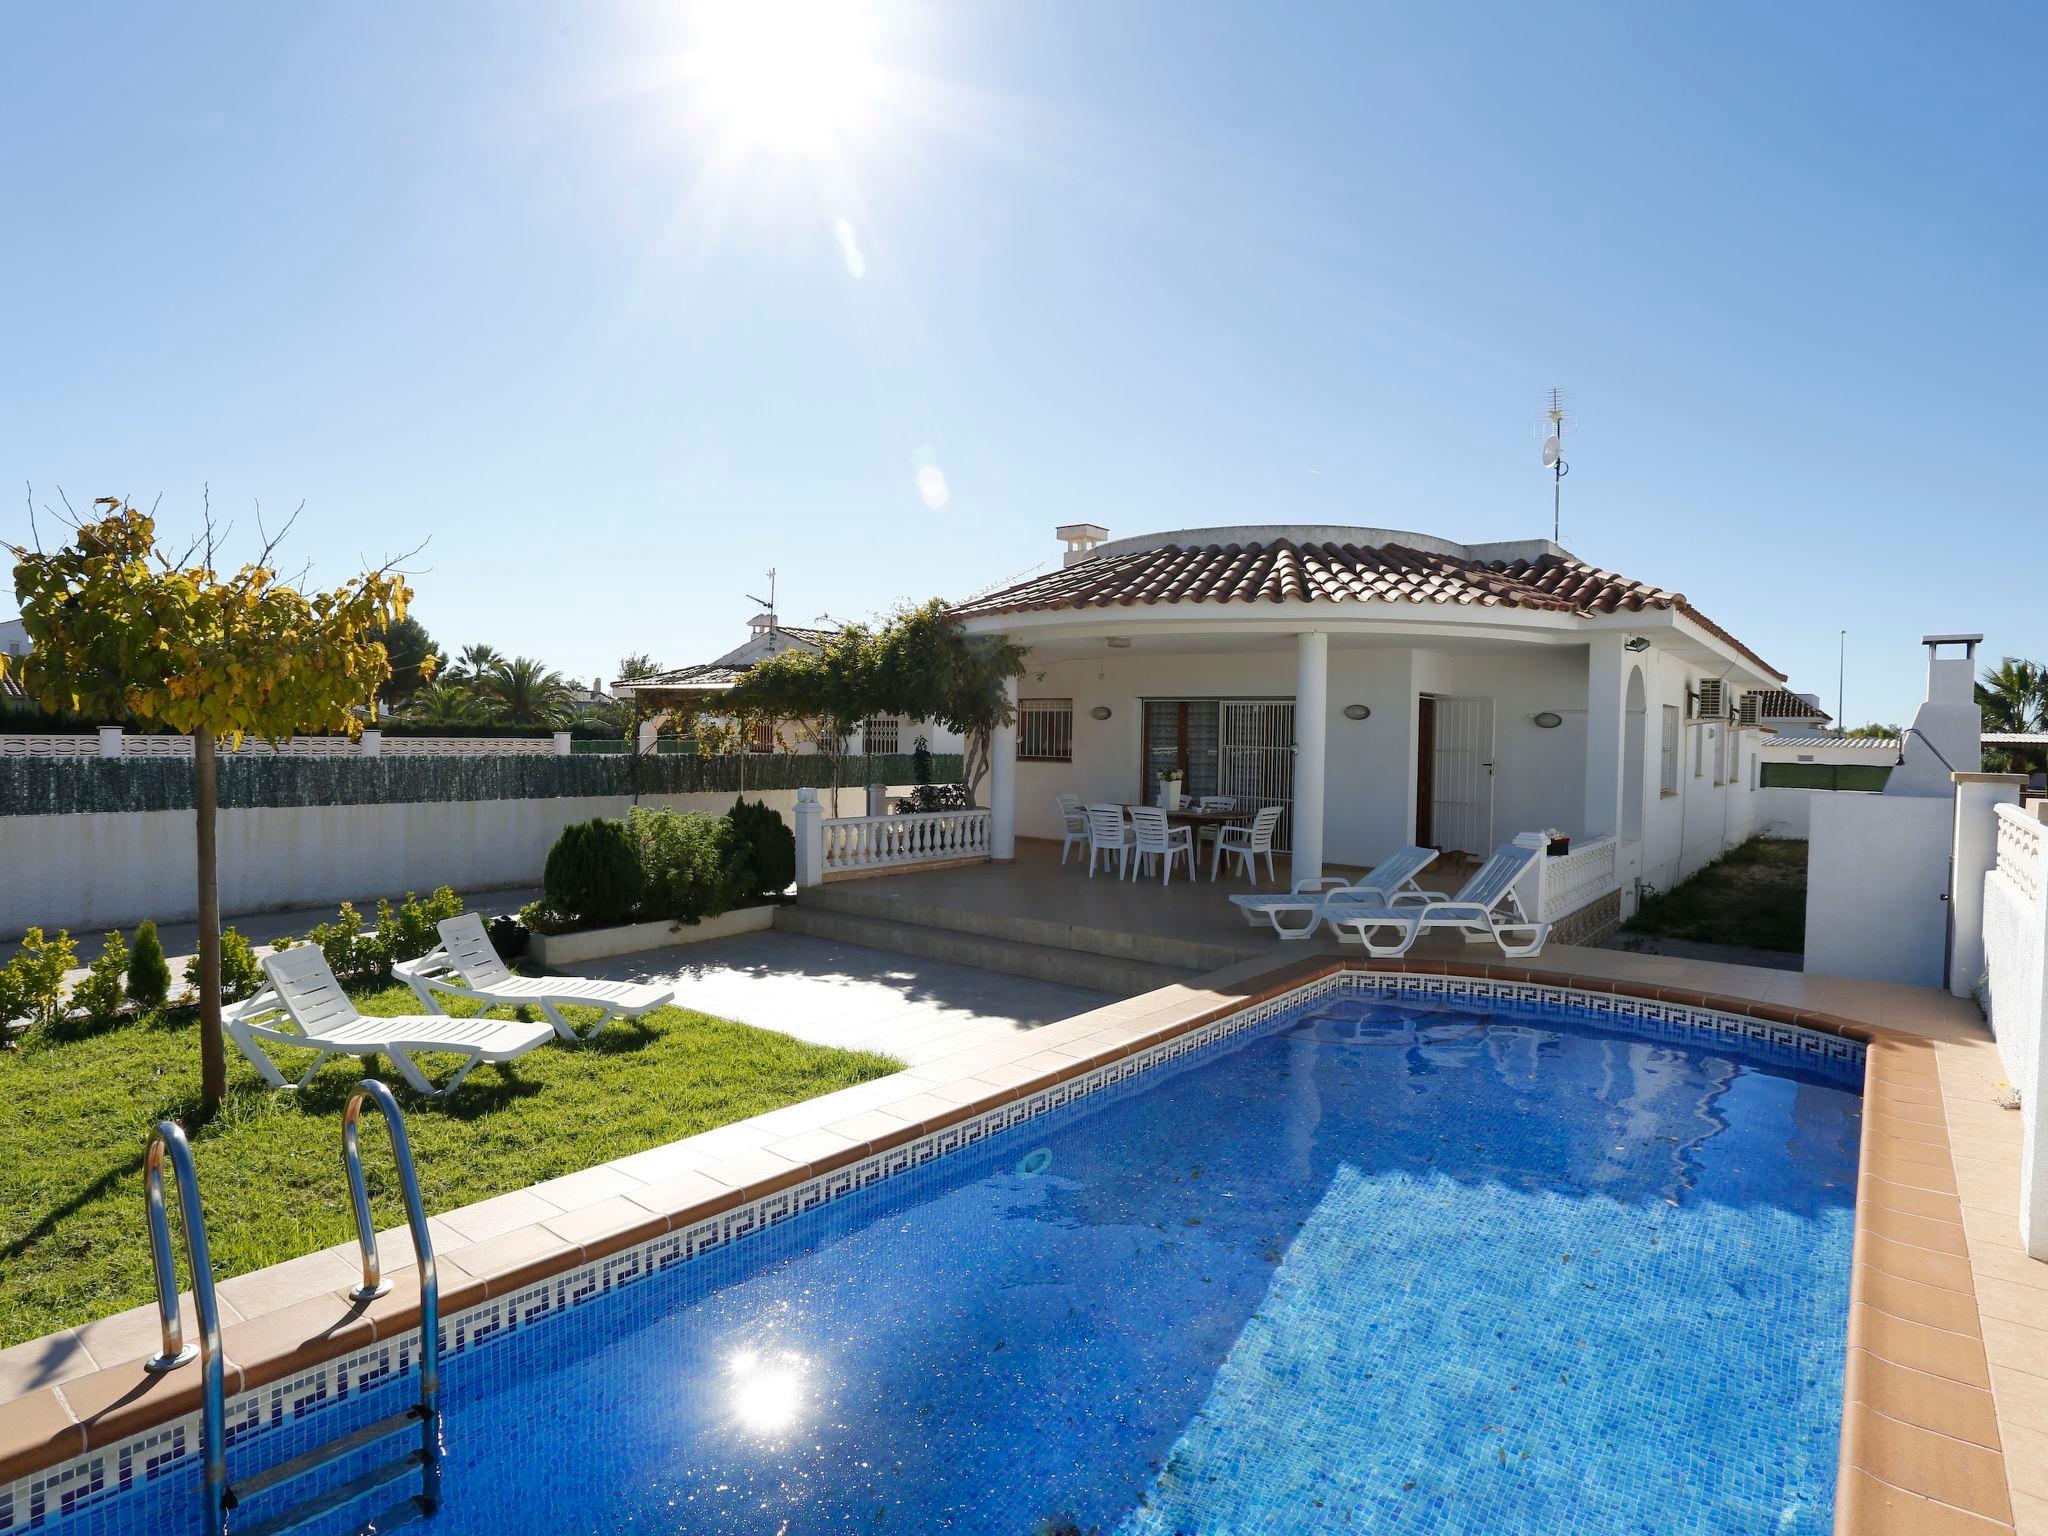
point(768, 602)
point(1553, 460)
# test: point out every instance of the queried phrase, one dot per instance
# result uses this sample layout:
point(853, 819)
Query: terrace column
point(1606, 744)
point(1002, 782)
point(1311, 744)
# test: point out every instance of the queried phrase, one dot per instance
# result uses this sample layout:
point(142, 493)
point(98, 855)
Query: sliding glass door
point(1238, 747)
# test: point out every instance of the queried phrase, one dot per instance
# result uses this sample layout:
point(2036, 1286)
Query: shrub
point(409, 932)
point(32, 985)
point(149, 973)
point(539, 917)
point(100, 995)
point(693, 865)
point(342, 942)
point(593, 872)
point(767, 845)
point(240, 975)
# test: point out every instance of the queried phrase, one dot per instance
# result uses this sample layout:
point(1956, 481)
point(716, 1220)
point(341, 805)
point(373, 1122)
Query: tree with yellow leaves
point(118, 628)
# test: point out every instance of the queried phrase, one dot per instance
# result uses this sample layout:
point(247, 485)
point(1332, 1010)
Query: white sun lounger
point(1488, 906)
point(1390, 884)
point(465, 964)
point(321, 1018)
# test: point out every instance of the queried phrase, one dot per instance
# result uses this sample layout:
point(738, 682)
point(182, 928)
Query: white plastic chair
point(465, 964)
point(1391, 883)
point(1247, 843)
point(1107, 834)
point(302, 988)
point(1153, 836)
point(1489, 905)
point(1073, 824)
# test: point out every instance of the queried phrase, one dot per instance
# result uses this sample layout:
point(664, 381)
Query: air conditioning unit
point(1752, 710)
point(1713, 698)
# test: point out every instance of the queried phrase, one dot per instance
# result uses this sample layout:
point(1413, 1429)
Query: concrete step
point(1116, 975)
point(873, 899)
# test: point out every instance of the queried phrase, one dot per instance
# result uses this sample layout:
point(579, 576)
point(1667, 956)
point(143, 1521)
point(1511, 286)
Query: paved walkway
point(851, 996)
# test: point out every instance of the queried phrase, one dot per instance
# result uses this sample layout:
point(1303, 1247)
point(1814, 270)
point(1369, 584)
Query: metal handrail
point(375, 1285)
point(168, 1137)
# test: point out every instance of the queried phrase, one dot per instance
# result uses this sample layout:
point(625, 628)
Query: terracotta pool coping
point(1920, 1447)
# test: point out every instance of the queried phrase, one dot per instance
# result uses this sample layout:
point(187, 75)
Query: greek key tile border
point(278, 1421)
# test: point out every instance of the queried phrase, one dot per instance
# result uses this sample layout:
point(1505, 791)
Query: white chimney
point(1080, 539)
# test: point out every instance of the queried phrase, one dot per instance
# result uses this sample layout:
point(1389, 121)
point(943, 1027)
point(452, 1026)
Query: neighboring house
point(684, 689)
point(13, 643)
point(1779, 709)
point(593, 697)
point(1382, 688)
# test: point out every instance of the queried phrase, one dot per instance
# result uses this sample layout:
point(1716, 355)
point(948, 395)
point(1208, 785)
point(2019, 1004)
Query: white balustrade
point(1580, 877)
point(31, 744)
point(884, 842)
point(2022, 848)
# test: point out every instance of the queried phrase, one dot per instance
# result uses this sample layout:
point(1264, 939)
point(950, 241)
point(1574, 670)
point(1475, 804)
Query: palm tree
point(527, 693)
point(448, 704)
point(2014, 696)
point(474, 665)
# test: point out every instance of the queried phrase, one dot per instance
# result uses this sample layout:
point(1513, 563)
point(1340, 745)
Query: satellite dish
point(1551, 449)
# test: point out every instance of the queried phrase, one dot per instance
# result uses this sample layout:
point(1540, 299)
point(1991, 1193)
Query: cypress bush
point(593, 872)
point(149, 973)
point(767, 844)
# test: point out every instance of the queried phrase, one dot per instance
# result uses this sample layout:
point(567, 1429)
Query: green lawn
point(1753, 895)
point(76, 1109)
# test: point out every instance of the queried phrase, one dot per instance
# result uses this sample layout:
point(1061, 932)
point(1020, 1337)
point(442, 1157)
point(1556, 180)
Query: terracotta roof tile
point(1783, 704)
point(1280, 570)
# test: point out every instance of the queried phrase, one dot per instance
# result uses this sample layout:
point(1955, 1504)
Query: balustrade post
point(561, 743)
point(810, 839)
point(110, 741)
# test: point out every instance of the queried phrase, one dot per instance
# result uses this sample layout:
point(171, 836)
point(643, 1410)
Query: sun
point(791, 76)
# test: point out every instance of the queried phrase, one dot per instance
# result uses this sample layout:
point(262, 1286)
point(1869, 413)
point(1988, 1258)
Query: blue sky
point(545, 283)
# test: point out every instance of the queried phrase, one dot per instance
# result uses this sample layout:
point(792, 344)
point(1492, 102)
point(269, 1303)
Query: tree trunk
point(213, 1067)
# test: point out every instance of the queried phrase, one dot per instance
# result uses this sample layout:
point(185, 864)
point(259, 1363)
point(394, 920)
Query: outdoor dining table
point(1188, 816)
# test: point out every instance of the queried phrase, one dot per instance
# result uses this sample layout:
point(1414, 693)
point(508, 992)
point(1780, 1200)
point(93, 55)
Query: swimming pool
point(1387, 1260)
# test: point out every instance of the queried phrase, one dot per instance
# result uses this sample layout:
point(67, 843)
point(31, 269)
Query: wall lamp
point(1357, 712)
point(1636, 643)
point(1548, 720)
point(1099, 712)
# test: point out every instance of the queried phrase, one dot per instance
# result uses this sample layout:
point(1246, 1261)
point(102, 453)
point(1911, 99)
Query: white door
point(1255, 759)
point(1461, 799)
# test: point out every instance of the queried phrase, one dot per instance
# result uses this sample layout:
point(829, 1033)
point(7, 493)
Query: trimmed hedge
point(35, 786)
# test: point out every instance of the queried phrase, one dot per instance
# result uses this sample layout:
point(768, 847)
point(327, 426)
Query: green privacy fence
point(1869, 776)
point(34, 786)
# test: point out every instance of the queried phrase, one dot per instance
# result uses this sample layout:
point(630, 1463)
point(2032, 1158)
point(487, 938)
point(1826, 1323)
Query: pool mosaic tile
point(105, 1492)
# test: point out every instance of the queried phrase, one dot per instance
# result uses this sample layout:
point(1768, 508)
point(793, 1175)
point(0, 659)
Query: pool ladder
point(424, 1416)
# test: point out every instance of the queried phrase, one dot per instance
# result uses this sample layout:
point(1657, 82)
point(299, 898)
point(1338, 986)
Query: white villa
point(1384, 688)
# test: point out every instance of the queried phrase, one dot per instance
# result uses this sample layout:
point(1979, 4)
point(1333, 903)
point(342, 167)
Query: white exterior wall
point(1876, 879)
point(1539, 777)
point(113, 869)
point(1787, 812)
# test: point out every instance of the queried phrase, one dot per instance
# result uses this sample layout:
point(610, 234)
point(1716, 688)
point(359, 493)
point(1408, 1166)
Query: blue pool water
point(1380, 1266)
